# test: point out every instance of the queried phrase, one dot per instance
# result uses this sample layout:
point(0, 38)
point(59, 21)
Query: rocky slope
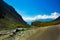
point(9, 18)
point(20, 35)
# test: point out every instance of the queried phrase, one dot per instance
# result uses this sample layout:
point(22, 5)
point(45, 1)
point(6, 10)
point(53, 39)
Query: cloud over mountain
point(53, 15)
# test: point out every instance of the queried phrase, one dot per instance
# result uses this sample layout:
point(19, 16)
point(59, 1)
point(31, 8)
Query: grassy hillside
point(6, 24)
point(42, 24)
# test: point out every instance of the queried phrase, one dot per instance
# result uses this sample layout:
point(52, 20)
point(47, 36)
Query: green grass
point(10, 24)
point(42, 24)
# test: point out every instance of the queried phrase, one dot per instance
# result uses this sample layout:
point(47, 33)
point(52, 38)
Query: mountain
point(57, 19)
point(44, 24)
point(45, 20)
point(40, 20)
point(9, 18)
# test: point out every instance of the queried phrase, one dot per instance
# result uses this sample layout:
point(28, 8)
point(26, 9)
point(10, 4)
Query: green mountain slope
point(42, 24)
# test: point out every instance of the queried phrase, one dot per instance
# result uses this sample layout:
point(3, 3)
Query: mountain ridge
point(57, 19)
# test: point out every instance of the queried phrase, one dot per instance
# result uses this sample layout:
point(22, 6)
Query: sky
point(36, 9)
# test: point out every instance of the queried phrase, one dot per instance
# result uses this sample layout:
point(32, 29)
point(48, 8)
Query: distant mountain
point(9, 18)
point(45, 20)
point(41, 20)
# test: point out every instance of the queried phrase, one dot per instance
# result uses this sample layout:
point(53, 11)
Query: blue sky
point(33, 8)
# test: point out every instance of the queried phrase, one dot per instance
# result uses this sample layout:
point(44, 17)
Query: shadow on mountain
point(9, 18)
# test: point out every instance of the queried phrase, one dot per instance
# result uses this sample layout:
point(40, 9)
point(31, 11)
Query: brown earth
point(47, 33)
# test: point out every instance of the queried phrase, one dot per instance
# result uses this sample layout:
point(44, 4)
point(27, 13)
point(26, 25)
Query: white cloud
point(52, 16)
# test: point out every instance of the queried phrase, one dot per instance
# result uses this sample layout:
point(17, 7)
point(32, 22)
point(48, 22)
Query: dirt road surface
point(47, 33)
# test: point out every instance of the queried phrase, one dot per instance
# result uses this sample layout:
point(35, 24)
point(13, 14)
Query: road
point(46, 33)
